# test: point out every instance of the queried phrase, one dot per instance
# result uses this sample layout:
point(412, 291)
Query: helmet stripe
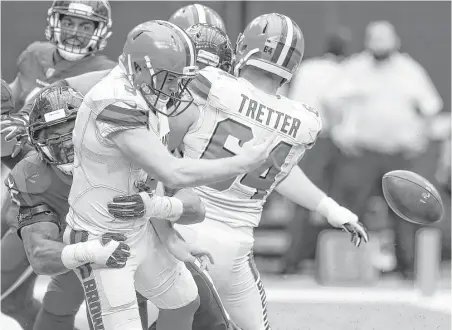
point(292, 45)
point(189, 48)
point(287, 42)
point(201, 13)
point(282, 40)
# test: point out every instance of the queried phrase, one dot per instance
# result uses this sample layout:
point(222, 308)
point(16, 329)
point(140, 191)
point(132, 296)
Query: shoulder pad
point(42, 52)
point(202, 84)
point(31, 175)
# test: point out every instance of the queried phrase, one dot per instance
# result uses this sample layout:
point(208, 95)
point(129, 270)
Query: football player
point(194, 14)
point(39, 185)
point(76, 31)
point(118, 139)
point(238, 109)
point(216, 51)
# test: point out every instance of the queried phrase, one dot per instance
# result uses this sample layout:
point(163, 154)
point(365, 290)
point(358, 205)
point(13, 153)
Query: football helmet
point(7, 98)
point(213, 47)
point(196, 13)
point(271, 42)
point(159, 59)
point(51, 122)
point(98, 11)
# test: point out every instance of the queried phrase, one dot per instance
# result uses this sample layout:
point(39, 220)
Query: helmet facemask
point(90, 42)
point(50, 130)
point(164, 91)
point(54, 143)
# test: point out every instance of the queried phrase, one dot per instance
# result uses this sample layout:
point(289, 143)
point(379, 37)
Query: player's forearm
point(186, 172)
point(299, 189)
point(194, 210)
point(44, 254)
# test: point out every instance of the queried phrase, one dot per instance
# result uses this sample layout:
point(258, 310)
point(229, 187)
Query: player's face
point(56, 142)
point(168, 84)
point(76, 31)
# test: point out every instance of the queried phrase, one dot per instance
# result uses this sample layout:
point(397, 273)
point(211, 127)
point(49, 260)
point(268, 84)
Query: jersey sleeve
point(25, 190)
point(120, 116)
point(311, 126)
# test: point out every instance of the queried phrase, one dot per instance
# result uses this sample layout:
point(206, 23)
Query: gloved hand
point(128, 207)
point(16, 126)
point(340, 217)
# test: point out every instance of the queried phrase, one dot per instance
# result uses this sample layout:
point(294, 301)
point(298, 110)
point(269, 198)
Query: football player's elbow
point(195, 212)
point(199, 212)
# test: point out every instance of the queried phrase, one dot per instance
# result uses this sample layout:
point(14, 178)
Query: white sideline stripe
point(441, 302)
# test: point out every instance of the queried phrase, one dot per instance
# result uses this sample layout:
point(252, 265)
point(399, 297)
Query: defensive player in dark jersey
point(40, 185)
point(76, 31)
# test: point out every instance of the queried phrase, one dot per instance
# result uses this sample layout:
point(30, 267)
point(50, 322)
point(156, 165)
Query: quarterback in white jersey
point(118, 139)
point(231, 111)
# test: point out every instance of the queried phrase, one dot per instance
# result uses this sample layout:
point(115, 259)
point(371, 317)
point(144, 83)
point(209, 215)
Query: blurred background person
point(310, 84)
point(386, 100)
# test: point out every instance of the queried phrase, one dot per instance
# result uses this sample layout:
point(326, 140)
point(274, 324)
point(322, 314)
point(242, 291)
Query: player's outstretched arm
point(144, 148)
point(179, 206)
point(298, 188)
point(49, 256)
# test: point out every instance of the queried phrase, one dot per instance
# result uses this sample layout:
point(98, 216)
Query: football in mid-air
point(7, 147)
point(412, 197)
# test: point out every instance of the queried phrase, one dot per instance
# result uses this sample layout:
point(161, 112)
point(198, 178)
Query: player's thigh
point(217, 238)
point(245, 299)
point(109, 292)
point(64, 295)
point(163, 279)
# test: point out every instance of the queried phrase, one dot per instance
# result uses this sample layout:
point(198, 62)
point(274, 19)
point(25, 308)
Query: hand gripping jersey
point(39, 66)
point(101, 172)
point(40, 190)
point(234, 113)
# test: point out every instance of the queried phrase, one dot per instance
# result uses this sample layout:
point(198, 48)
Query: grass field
point(298, 303)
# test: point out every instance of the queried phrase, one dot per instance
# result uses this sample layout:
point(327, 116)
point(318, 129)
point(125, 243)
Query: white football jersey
point(101, 171)
point(236, 112)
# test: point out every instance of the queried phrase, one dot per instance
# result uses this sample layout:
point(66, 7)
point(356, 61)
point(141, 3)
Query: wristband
point(162, 207)
point(326, 205)
point(74, 255)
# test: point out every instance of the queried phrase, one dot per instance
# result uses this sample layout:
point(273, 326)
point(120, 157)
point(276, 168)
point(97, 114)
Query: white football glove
point(340, 217)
